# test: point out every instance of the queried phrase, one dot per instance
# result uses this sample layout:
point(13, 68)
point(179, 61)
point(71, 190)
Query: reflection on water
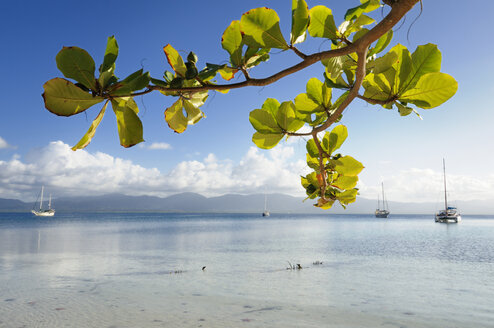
point(145, 270)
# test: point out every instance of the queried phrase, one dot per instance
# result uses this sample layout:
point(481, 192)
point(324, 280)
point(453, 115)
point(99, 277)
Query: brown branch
point(298, 52)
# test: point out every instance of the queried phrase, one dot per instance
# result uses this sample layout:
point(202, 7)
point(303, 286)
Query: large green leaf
point(425, 59)
point(175, 117)
point(111, 54)
point(129, 124)
point(231, 41)
point(287, 118)
point(266, 141)
point(402, 66)
point(194, 114)
point(322, 23)
point(261, 29)
point(76, 63)
point(64, 98)
point(312, 149)
point(175, 60)
point(300, 21)
point(314, 90)
point(349, 166)
point(86, 139)
point(305, 104)
point(263, 121)
point(332, 141)
point(347, 197)
point(345, 182)
point(431, 90)
point(271, 105)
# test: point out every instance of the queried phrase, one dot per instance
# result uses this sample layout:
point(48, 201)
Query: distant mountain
point(231, 203)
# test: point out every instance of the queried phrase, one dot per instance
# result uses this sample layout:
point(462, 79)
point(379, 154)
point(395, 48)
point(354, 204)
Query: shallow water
point(145, 270)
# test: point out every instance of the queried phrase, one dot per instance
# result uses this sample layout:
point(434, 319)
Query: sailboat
point(41, 211)
point(266, 212)
point(382, 212)
point(450, 213)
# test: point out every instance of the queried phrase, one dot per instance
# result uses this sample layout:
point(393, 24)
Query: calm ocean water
point(145, 270)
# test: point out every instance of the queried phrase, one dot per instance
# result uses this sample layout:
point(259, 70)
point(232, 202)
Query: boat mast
point(265, 202)
point(49, 203)
point(445, 193)
point(382, 188)
point(41, 200)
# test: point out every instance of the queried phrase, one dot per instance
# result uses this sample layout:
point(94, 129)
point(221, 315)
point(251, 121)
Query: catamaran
point(450, 213)
point(41, 211)
point(384, 211)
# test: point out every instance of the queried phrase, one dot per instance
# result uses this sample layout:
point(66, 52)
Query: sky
point(216, 156)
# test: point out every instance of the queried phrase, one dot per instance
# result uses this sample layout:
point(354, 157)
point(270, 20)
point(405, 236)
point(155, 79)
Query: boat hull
point(448, 218)
point(383, 214)
point(43, 213)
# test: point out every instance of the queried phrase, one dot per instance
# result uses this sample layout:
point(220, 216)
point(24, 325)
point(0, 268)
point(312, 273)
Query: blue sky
point(216, 156)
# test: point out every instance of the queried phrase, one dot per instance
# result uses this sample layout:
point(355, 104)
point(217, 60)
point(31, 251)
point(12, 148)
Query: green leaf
point(261, 29)
point(63, 98)
point(266, 141)
point(312, 148)
point(403, 110)
point(287, 118)
point(194, 114)
point(431, 90)
point(111, 55)
point(334, 66)
point(425, 59)
point(403, 67)
point(322, 23)
point(86, 139)
point(382, 64)
point(347, 197)
point(312, 162)
point(314, 90)
point(365, 7)
point(264, 122)
point(381, 44)
point(271, 105)
point(349, 166)
point(357, 24)
point(192, 57)
point(129, 124)
point(76, 63)
point(175, 117)
point(345, 182)
point(227, 73)
point(175, 60)
point(231, 41)
point(300, 21)
point(332, 141)
point(135, 81)
point(305, 104)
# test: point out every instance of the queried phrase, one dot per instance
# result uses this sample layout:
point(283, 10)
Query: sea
point(242, 270)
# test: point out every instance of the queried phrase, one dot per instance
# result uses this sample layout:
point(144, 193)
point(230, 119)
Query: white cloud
point(426, 185)
point(69, 173)
point(4, 144)
point(159, 145)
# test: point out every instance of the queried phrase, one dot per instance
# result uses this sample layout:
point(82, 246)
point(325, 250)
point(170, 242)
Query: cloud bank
point(67, 173)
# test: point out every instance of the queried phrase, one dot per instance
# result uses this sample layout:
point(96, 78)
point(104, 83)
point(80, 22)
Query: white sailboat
point(384, 211)
point(266, 212)
point(450, 213)
point(41, 211)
